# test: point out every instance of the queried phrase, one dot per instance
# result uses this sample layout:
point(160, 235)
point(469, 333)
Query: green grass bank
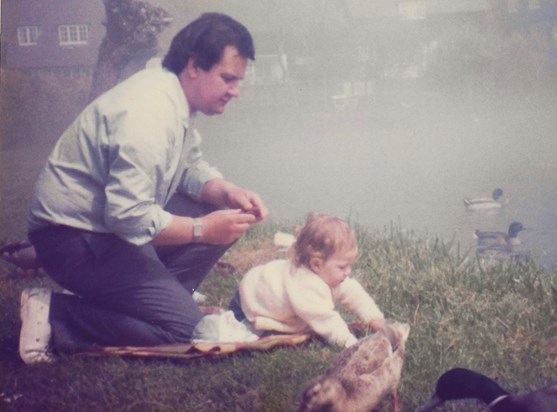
point(499, 319)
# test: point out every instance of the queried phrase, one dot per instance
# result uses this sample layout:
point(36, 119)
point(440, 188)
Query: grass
point(498, 319)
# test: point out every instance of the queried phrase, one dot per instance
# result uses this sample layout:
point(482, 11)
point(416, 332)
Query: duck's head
point(460, 383)
point(514, 228)
point(497, 193)
point(323, 394)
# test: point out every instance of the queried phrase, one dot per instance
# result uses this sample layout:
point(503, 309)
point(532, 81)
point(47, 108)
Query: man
point(127, 215)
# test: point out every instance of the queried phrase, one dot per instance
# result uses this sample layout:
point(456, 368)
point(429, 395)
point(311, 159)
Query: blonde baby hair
point(322, 236)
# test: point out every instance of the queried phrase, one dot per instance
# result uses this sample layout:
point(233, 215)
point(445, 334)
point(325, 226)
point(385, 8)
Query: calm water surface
point(412, 162)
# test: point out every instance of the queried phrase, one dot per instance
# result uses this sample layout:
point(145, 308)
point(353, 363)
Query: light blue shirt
point(115, 168)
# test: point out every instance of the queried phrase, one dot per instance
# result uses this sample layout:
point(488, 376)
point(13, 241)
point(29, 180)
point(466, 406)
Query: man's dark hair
point(205, 39)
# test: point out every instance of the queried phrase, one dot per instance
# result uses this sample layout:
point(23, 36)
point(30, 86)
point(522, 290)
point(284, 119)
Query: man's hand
point(219, 192)
point(225, 226)
point(248, 201)
point(219, 228)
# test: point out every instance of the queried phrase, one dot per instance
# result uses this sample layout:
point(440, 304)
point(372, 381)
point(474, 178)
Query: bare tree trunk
point(132, 27)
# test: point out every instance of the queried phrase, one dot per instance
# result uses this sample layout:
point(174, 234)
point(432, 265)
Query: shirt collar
point(184, 109)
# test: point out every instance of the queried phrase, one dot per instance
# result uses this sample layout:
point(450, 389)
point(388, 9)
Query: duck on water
point(500, 239)
point(494, 203)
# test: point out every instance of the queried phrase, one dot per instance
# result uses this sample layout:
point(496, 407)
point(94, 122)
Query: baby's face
point(336, 268)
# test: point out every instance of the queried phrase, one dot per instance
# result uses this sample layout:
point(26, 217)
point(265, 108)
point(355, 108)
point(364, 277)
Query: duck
point(461, 383)
point(362, 375)
point(507, 240)
point(485, 203)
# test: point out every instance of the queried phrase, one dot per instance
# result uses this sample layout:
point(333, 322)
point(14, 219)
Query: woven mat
point(188, 351)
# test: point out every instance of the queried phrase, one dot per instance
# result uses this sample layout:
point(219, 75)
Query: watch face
point(197, 229)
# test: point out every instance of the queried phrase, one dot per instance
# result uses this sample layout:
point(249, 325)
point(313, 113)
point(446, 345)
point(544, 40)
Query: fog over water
point(449, 110)
point(414, 167)
point(455, 110)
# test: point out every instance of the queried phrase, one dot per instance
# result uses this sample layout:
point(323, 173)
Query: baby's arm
point(377, 324)
point(353, 296)
point(312, 302)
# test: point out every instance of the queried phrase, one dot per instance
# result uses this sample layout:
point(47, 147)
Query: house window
point(73, 34)
point(413, 10)
point(27, 35)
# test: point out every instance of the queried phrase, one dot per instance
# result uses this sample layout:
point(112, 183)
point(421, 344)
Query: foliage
point(498, 319)
point(132, 27)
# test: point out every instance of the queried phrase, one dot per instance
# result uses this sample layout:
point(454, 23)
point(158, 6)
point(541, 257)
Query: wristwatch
point(197, 229)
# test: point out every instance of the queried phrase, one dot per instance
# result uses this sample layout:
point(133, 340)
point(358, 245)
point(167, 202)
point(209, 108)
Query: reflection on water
point(411, 162)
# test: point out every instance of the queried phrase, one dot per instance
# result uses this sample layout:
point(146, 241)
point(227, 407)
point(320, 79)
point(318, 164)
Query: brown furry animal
point(362, 375)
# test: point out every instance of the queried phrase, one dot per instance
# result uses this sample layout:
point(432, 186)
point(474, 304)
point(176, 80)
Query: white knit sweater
point(279, 296)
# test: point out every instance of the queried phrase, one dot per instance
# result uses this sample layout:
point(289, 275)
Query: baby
point(299, 294)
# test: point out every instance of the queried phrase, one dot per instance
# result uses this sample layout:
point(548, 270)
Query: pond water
point(411, 161)
point(408, 160)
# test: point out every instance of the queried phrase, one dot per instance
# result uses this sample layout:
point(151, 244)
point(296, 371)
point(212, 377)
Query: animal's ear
point(404, 329)
point(390, 334)
point(397, 333)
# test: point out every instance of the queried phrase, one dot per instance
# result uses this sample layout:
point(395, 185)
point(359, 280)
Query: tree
point(132, 28)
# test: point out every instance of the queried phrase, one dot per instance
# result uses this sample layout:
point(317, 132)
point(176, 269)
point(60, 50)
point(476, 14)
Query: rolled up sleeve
point(197, 171)
point(116, 167)
point(138, 154)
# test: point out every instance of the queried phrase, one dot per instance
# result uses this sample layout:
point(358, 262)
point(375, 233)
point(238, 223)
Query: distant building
point(52, 36)
point(63, 37)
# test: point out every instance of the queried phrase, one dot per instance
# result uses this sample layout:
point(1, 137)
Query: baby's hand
point(377, 324)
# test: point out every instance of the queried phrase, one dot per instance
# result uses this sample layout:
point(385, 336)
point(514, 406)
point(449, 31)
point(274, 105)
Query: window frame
point(73, 34)
point(27, 35)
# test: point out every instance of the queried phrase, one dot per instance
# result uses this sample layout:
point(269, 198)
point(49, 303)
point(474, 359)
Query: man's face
point(208, 92)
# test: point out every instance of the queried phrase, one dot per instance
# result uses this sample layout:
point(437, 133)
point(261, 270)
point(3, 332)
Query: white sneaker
point(35, 333)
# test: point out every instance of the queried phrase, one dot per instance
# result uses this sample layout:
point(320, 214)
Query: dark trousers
point(125, 295)
point(236, 307)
